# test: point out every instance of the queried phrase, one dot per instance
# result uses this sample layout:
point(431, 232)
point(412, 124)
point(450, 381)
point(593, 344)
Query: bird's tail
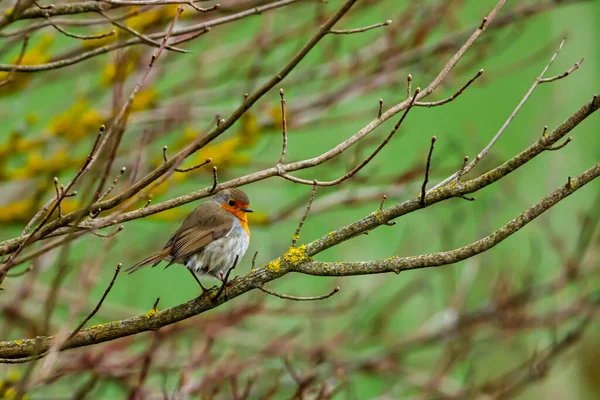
point(154, 260)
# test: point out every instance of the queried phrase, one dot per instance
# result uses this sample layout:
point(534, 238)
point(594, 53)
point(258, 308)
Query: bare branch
point(112, 186)
point(183, 170)
point(564, 74)
point(453, 256)
point(215, 180)
point(283, 174)
point(284, 127)
point(454, 96)
point(359, 30)
point(77, 36)
point(427, 167)
point(308, 206)
point(560, 146)
point(487, 148)
point(296, 298)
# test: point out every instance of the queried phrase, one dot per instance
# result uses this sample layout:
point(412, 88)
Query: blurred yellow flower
point(117, 71)
point(144, 100)
point(160, 189)
point(38, 164)
point(15, 212)
point(34, 56)
point(77, 122)
point(250, 128)
point(224, 153)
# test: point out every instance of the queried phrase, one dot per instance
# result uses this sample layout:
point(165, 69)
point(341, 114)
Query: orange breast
point(241, 215)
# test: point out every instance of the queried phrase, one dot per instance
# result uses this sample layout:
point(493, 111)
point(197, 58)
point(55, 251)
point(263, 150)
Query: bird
point(211, 239)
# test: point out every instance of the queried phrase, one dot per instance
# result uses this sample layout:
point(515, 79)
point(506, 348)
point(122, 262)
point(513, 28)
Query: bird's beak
point(247, 209)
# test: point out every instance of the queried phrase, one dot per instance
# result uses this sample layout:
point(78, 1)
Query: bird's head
point(234, 201)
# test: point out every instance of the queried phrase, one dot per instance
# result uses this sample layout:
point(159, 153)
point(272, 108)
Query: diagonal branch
point(303, 264)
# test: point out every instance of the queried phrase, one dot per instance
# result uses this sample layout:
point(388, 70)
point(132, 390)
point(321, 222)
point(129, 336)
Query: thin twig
point(487, 148)
point(58, 191)
point(427, 168)
point(359, 30)
point(350, 174)
point(462, 169)
point(296, 298)
point(95, 310)
point(200, 9)
point(77, 36)
point(114, 183)
point(108, 235)
point(454, 96)
point(254, 258)
point(183, 170)
point(194, 30)
point(215, 180)
point(139, 35)
point(560, 146)
point(40, 355)
point(564, 74)
point(383, 199)
point(284, 127)
point(308, 206)
point(380, 108)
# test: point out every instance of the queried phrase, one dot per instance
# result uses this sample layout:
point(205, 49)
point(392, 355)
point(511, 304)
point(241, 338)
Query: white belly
point(220, 255)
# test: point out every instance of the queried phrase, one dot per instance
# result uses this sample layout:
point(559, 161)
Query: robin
point(211, 239)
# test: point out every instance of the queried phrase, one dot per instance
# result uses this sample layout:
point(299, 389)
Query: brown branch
point(112, 186)
point(203, 10)
point(97, 308)
point(109, 235)
point(296, 298)
point(50, 202)
point(139, 35)
point(59, 196)
point(564, 74)
point(41, 354)
point(215, 180)
point(454, 96)
point(487, 148)
point(97, 6)
point(304, 264)
point(308, 206)
point(183, 170)
point(57, 228)
point(77, 36)
point(353, 172)
point(96, 150)
point(427, 167)
point(359, 30)
point(453, 256)
point(284, 127)
point(560, 146)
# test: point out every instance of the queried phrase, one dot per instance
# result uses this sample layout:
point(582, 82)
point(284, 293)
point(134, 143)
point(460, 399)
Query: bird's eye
point(232, 203)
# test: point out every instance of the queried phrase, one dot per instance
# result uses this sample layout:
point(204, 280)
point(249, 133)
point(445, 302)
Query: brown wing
point(208, 222)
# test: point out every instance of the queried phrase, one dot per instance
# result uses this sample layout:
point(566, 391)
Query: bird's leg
point(225, 279)
point(204, 290)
